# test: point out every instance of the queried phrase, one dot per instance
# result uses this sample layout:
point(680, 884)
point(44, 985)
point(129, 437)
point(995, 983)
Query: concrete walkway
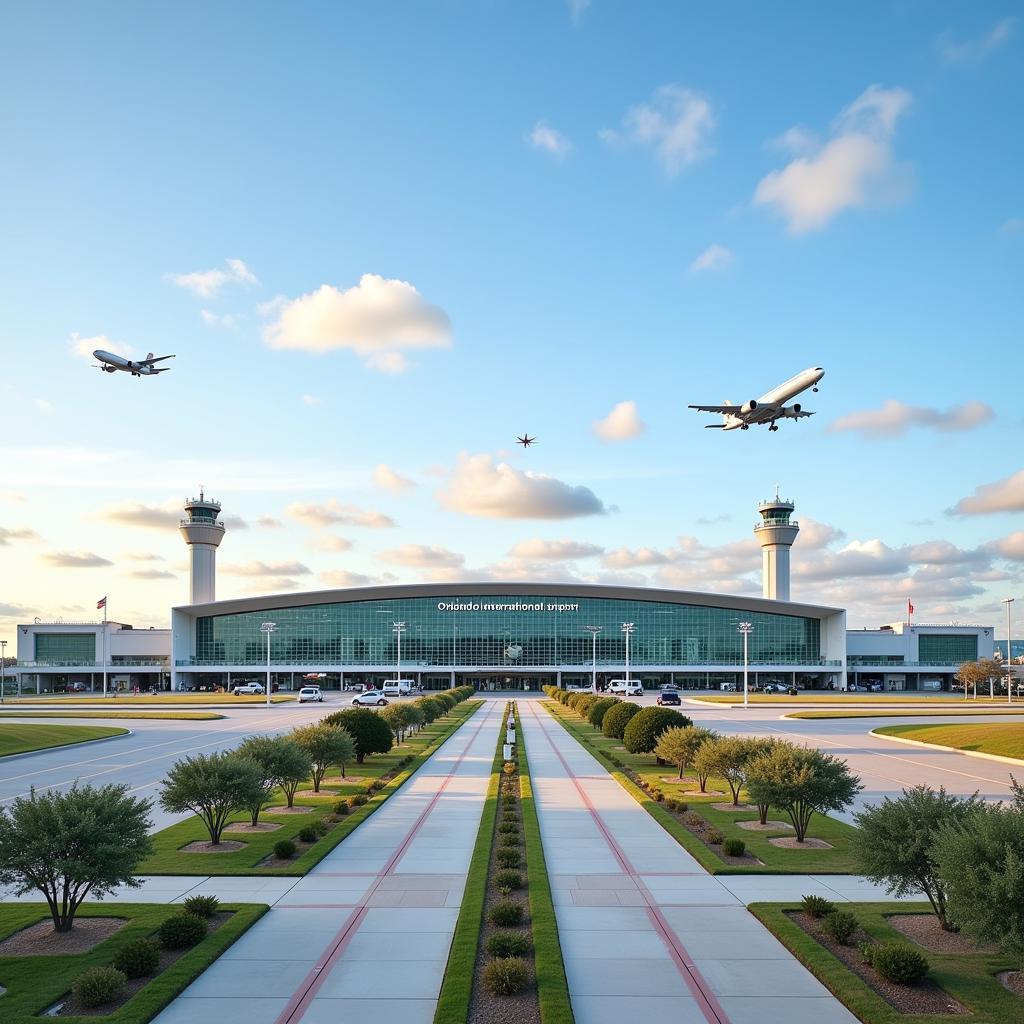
point(647, 934)
point(366, 934)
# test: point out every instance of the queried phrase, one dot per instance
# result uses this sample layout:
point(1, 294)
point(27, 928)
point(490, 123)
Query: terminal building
point(496, 635)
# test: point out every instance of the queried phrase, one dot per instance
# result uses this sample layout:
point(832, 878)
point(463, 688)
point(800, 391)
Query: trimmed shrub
point(693, 819)
point(285, 849)
point(734, 847)
point(321, 826)
point(899, 963)
point(508, 857)
point(672, 805)
point(341, 807)
point(308, 834)
point(509, 768)
point(357, 801)
point(714, 836)
point(616, 719)
point(658, 796)
point(841, 925)
point(182, 931)
point(508, 826)
point(642, 731)
point(506, 914)
point(509, 840)
point(98, 985)
point(505, 976)
point(370, 733)
point(599, 709)
point(506, 944)
point(682, 805)
point(508, 880)
point(138, 959)
point(201, 906)
point(817, 906)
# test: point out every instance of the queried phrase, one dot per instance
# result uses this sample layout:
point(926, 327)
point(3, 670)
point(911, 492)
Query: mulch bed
point(925, 930)
point(288, 810)
point(792, 843)
point(771, 825)
point(205, 846)
point(41, 940)
point(245, 826)
point(1012, 981)
point(700, 831)
point(925, 997)
point(69, 1008)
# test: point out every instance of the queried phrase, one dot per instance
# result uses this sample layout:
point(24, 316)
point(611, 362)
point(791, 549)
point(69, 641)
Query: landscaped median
point(189, 716)
point(291, 840)
point(723, 836)
point(136, 963)
point(505, 961)
point(122, 700)
point(949, 712)
point(999, 739)
point(875, 969)
point(22, 738)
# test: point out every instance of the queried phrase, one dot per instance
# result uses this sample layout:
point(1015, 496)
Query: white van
point(398, 687)
point(631, 687)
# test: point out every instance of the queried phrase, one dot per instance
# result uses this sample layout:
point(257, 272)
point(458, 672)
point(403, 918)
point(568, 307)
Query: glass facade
point(946, 649)
point(65, 648)
point(508, 632)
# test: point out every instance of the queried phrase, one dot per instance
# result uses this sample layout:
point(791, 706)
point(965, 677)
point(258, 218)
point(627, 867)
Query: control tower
point(776, 533)
point(203, 532)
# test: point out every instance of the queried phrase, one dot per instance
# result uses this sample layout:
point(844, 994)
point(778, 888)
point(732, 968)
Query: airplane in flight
point(111, 363)
point(769, 407)
point(525, 440)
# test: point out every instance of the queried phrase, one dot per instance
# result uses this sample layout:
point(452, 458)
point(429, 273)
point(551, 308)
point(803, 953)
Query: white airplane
point(136, 367)
point(769, 407)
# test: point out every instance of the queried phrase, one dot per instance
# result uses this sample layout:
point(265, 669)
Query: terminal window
point(66, 648)
point(940, 649)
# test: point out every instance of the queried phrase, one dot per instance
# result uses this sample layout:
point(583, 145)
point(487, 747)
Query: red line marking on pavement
point(695, 982)
point(297, 1006)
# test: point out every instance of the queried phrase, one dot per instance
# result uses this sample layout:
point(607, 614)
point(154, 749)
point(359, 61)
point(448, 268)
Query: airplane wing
point(716, 408)
point(150, 360)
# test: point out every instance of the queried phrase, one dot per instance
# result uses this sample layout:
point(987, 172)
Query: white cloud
point(331, 512)
point(1005, 495)
point(152, 574)
point(895, 418)
point(554, 550)
point(6, 536)
point(75, 560)
point(344, 578)
point(854, 168)
point(625, 558)
point(311, 400)
point(208, 282)
point(623, 423)
point(970, 50)
point(714, 257)
point(817, 535)
point(149, 517)
point(857, 559)
point(85, 347)
point(331, 542)
point(378, 319)
point(257, 568)
point(389, 480)
point(212, 319)
point(269, 522)
point(550, 140)
point(1011, 547)
point(481, 487)
point(676, 125)
point(422, 556)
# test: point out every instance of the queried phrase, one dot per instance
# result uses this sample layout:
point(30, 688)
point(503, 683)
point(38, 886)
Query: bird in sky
point(525, 440)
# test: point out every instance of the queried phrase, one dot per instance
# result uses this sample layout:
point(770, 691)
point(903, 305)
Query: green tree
point(397, 717)
point(894, 842)
point(326, 744)
point(726, 757)
point(415, 715)
point(972, 674)
point(212, 786)
point(800, 781)
point(283, 764)
point(599, 709)
point(679, 744)
point(371, 733)
point(644, 728)
point(617, 718)
point(85, 841)
point(431, 707)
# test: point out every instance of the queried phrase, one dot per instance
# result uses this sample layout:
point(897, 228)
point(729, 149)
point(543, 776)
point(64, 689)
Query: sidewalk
point(647, 934)
point(366, 934)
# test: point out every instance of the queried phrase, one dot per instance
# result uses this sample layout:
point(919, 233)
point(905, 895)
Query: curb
point(952, 750)
point(63, 746)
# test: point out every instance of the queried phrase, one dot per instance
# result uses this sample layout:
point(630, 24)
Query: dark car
point(669, 697)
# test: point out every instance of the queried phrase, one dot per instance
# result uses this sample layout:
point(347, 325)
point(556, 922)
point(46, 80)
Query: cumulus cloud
point(1011, 547)
point(257, 568)
point(389, 479)
point(331, 542)
point(208, 282)
point(269, 523)
point(622, 424)
point(676, 125)
point(144, 556)
point(75, 560)
point(554, 550)
point(22, 533)
point(815, 535)
point(13, 610)
point(333, 512)
point(550, 140)
point(858, 558)
point(147, 517)
point(212, 319)
point(895, 418)
point(966, 51)
point(626, 558)
point(379, 319)
point(344, 578)
point(152, 574)
point(480, 486)
point(85, 346)
point(1005, 495)
point(854, 168)
point(714, 257)
point(422, 556)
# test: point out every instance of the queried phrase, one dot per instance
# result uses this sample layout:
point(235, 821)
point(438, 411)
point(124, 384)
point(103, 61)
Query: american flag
point(102, 602)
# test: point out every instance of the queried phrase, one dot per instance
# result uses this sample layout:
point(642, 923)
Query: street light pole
point(628, 628)
point(398, 628)
point(3, 669)
point(268, 628)
point(593, 631)
point(746, 628)
point(1009, 652)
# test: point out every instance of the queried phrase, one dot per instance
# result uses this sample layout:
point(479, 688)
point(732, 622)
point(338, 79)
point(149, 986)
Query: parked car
point(77, 687)
point(669, 697)
point(728, 687)
point(367, 697)
point(246, 688)
point(631, 688)
point(397, 687)
point(774, 688)
point(311, 693)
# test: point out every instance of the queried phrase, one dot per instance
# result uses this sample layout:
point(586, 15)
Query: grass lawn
point(963, 709)
point(167, 858)
point(19, 738)
point(191, 716)
point(838, 860)
point(1003, 738)
point(970, 978)
point(159, 698)
point(856, 699)
point(36, 982)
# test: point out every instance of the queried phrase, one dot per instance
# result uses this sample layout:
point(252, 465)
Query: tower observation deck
point(203, 532)
point(776, 533)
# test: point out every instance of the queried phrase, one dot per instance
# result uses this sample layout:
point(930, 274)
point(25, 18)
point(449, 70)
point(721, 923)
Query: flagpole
point(104, 645)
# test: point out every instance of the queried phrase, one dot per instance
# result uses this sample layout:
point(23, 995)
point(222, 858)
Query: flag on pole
point(102, 602)
point(910, 609)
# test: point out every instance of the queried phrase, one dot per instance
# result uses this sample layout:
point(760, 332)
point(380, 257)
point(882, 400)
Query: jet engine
point(792, 411)
point(109, 369)
point(749, 407)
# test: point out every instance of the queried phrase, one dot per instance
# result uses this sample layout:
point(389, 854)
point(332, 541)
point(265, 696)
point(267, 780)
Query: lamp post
point(268, 628)
point(593, 631)
point(398, 628)
point(3, 669)
point(628, 628)
point(746, 628)
point(1009, 656)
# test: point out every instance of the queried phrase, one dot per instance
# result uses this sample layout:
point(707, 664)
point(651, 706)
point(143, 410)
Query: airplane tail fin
point(149, 355)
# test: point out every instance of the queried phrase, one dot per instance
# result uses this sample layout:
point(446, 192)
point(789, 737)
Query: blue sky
point(452, 222)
